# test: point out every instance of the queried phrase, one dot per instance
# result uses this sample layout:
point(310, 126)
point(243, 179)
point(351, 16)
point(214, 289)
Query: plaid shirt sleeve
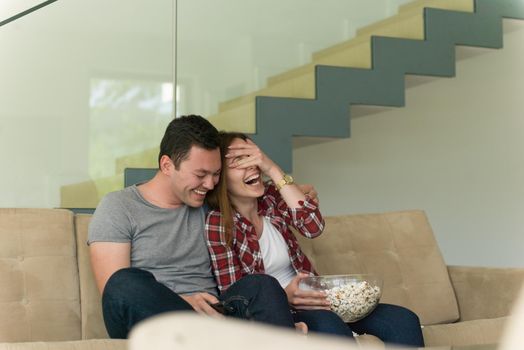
point(225, 263)
point(306, 219)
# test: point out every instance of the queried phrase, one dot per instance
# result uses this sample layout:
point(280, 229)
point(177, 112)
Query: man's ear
point(166, 165)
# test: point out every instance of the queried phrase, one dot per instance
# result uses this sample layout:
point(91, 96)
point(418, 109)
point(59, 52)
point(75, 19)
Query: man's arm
point(107, 258)
point(310, 191)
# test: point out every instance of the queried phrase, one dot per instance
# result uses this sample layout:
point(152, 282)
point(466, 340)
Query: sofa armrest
point(485, 292)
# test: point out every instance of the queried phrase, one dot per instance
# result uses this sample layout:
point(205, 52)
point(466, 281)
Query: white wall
point(456, 151)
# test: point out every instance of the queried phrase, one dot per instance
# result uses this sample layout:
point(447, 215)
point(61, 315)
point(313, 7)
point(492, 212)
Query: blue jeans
point(391, 323)
point(132, 295)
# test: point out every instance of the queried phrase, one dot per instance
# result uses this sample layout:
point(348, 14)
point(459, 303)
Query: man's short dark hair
point(185, 132)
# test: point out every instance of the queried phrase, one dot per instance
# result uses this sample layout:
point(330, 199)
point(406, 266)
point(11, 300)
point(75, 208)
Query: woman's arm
point(307, 219)
point(298, 209)
point(225, 263)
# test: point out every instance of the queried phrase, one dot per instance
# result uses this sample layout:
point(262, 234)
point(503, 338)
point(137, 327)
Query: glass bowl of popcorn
point(352, 297)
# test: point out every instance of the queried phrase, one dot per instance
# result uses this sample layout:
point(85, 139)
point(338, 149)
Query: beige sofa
point(48, 298)
point(456, 305)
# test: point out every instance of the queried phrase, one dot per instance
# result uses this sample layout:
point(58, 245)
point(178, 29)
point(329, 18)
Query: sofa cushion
point(92, 319)
point(397, 246)
point(474, 285)
point(39, 298)
point(486, 331)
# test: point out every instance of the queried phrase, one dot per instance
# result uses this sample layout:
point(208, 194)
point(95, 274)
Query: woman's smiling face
point(243, 183)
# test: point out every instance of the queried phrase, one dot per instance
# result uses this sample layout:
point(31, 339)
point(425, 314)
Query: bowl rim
point(364, 277)
point(346, 275)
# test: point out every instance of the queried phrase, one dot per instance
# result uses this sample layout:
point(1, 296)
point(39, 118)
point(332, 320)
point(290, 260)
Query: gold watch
point(286, 180)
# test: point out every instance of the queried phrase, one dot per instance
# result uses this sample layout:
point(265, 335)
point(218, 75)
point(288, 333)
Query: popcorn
point(353, 301)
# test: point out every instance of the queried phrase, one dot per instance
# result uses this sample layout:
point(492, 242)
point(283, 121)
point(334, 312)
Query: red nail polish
point(301, 202)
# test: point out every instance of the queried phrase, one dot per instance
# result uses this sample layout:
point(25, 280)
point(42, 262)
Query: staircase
point(336, 88)
point(315, 99)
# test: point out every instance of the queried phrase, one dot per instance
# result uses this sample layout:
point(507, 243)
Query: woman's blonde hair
point(218, 198)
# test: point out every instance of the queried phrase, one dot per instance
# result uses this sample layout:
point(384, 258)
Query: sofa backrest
point(39, 295)
point(400, 248)
point(92, 319)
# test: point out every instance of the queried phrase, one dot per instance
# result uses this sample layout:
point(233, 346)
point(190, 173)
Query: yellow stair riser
point(89, 193)
point(241, 119)
point(409, 22)
point(301, 86)
point(454, 5)
point(356, 56)
point(144, 159)
point(407, 26)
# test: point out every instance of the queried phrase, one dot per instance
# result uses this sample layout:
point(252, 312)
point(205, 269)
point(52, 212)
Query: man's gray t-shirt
point(169, 243)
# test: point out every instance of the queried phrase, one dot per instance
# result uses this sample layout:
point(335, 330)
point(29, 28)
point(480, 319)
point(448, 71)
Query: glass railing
point(233, 50)
point(87, 87)
point(12, 10)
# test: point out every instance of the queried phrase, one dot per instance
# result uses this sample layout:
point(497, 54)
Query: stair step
point(409, 25)
point(240, 118)
point(299, 82)
point(147, 158)
point(296, 83)
point(454, 5)
point(88, 194)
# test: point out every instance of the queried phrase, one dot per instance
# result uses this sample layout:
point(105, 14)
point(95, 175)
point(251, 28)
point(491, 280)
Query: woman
point(248, 232)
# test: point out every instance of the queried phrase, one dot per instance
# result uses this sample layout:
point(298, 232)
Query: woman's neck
point(247, 207)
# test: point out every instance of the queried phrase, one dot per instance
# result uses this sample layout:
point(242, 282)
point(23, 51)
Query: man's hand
point(305, 299)
point(310, 191)
point(201, 303)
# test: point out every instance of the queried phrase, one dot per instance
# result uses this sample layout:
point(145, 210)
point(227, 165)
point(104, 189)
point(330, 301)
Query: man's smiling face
point(196, 175)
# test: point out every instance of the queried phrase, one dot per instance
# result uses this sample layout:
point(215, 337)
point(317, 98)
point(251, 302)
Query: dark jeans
point(391, 323)
point(132, 295)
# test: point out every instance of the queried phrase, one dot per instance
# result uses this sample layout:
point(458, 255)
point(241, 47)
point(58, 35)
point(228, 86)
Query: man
point(147, 242)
